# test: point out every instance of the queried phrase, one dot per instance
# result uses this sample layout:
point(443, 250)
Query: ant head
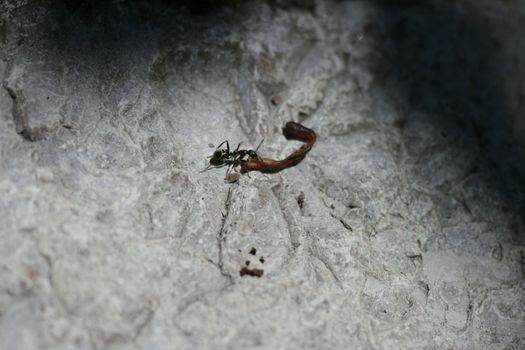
point(219, 153)
point(218, 157)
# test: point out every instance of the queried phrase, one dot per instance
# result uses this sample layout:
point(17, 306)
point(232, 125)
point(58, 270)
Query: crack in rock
point(294, 237)
point(50, 276)
point(343, 222)
point(20, 118)
point(221, 236)
point(328, 266)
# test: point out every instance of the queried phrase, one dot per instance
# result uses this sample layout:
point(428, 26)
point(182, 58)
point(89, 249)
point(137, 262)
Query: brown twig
point(292, 131)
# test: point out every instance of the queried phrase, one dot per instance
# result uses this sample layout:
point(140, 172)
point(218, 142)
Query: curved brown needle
point(292, 131)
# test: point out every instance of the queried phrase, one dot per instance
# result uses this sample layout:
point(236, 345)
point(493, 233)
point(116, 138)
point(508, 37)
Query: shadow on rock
point(95, 30)
point(448, 70)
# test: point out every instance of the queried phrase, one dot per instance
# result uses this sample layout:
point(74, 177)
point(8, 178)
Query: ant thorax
point(232, 159)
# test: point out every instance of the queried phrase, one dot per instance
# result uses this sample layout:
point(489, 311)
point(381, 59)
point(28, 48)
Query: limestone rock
point(402, 229)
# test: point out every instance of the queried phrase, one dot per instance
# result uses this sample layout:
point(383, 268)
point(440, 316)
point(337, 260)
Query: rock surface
point(402, 229)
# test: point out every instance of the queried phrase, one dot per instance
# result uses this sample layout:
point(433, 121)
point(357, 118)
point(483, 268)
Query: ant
point(232, 159)
point(248, 159)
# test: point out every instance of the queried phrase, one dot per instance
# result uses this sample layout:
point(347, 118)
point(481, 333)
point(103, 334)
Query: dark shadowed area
point(446, 60)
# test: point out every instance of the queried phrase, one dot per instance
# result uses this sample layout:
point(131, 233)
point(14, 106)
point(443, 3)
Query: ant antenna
point(260, 143)
point(207, 168)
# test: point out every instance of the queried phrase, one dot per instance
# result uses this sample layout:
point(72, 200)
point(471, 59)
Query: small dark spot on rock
point(253, 251)
point(417, 259)
point(384, 311)
point(303, 114)
point(332, 206)
point(497, 252)
point(300, 199)
point(276, 100)
point(261, 259)
point(247, 262)
point(424, 286)
point(251, 272)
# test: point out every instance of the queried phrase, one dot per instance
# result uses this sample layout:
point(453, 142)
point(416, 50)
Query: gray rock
point(403, 227)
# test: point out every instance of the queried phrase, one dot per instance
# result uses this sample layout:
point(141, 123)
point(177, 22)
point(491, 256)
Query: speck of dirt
point(247, 262)
point(303, 114)
point(251, 272)
point(276, 100)
point(253, 251)
point(300, 199)
point(262, 260)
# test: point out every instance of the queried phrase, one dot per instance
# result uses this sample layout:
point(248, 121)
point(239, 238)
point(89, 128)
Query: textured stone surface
point(403, 228)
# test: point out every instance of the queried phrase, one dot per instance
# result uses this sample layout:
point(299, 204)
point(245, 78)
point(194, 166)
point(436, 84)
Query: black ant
point(232, 159)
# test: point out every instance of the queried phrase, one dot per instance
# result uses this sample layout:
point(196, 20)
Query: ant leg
point(211, 167)
point(260, 143)
point(227, 145)
point(233, 175)
point(205, 169)
point(228, 173)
